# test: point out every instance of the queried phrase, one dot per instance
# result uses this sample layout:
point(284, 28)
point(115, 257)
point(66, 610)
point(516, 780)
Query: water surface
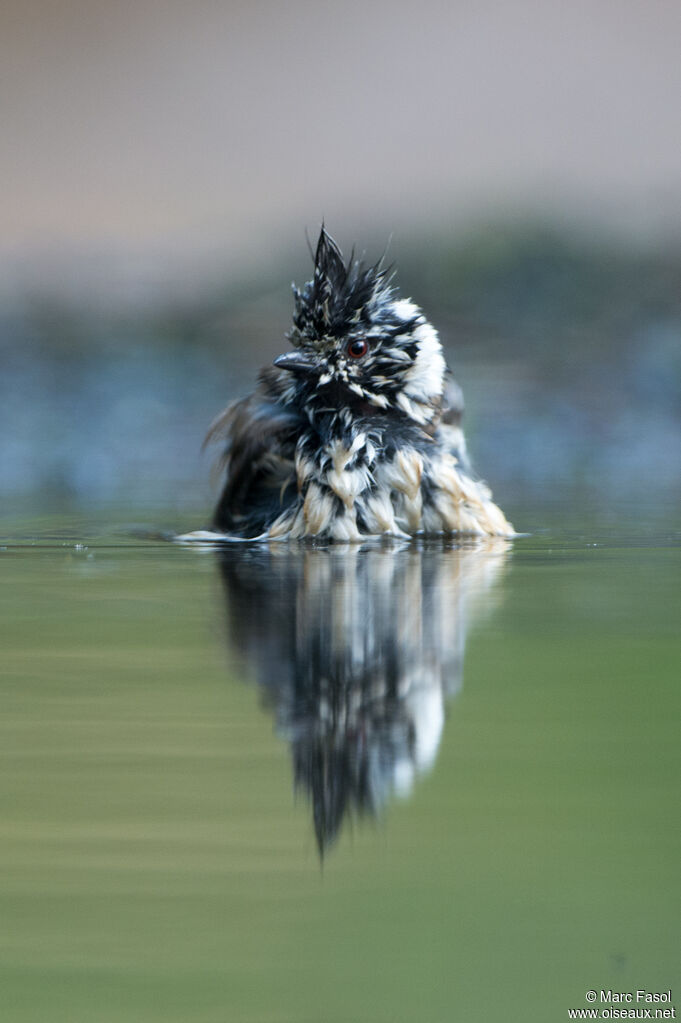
point(388, 784)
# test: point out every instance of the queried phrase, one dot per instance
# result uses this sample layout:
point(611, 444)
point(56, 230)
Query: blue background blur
point(162, 161)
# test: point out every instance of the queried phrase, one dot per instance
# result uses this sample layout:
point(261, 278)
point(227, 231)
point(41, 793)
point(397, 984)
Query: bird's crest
point(340, 295)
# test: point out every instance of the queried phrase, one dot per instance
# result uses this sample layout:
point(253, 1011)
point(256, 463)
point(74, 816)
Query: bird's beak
point(296, 362)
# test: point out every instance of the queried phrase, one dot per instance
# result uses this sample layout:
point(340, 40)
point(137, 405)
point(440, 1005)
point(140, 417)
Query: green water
point(156, 863)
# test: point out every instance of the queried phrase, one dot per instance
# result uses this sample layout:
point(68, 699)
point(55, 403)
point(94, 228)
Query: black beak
point(296, 362)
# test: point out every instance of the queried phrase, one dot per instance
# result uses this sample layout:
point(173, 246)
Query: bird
point(355, 432)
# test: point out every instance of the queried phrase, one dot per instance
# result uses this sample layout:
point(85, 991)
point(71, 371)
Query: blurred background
point(162, 161)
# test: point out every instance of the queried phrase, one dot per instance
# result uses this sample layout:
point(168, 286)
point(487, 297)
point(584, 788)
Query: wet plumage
point(356, 431)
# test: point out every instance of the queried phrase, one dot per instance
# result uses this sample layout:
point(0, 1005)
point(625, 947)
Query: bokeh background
point(162, 161)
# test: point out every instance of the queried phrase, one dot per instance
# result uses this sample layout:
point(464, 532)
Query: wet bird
point(356, 431)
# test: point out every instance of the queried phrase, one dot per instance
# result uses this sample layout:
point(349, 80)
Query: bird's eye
point(356, 349)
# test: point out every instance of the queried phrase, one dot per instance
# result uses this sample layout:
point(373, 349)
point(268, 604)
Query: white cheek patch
point(424, 380)
point(405, 309)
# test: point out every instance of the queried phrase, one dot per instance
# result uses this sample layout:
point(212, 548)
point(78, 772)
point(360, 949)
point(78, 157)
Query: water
point(388, 784)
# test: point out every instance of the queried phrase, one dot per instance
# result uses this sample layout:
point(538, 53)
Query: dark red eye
point(356, 349)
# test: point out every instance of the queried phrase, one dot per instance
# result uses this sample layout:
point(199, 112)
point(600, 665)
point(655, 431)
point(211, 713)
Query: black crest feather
point(340, 295)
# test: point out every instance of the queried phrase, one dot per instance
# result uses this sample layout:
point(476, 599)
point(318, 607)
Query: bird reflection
point(356, 650)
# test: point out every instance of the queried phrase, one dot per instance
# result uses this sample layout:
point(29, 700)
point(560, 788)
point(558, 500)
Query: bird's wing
point(258, 435)
point(446, 428)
